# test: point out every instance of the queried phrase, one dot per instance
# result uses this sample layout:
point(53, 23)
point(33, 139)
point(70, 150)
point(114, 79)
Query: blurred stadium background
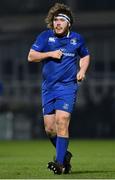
point(20, 81)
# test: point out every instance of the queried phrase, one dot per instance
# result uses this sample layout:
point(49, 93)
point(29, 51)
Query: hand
point(80, 75)
point(56, 54)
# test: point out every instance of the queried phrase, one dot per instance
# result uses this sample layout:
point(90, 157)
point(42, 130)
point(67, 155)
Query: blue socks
point(61, 148)
point(61, 145)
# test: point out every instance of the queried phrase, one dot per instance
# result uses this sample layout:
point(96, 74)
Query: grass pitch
point(28, 159)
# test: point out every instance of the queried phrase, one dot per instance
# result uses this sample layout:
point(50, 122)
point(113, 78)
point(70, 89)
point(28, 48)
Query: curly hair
point(55, 10)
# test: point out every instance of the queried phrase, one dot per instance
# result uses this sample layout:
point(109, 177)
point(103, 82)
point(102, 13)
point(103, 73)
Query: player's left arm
point(83, 64)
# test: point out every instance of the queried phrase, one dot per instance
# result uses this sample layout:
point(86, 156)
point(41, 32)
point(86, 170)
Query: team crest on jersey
point(73, 41)
point(51, 39)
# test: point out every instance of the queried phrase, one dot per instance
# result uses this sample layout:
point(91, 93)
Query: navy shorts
point(58, 100)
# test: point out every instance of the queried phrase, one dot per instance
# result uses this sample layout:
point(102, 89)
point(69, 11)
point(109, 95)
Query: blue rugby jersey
point(59, 72)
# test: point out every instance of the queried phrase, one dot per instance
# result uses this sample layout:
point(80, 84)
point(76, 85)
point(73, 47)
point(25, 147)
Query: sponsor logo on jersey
point(65, 53)
point(63, 50)
point(69, 54)
point(51, 39)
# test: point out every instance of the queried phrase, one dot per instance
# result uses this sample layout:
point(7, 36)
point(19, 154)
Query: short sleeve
point(40, 42)
point(82, 50)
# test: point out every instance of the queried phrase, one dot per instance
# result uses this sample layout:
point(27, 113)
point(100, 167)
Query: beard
point(60, 31)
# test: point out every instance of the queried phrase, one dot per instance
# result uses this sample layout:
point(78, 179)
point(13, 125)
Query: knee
point(49, 131)
point(62, 123)
point(62, 119)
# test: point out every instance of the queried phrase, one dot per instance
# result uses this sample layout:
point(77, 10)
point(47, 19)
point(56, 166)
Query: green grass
point(28, 159)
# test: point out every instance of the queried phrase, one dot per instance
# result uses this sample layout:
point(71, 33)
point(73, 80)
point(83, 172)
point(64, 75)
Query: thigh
point(62, 123)
point(63, 116)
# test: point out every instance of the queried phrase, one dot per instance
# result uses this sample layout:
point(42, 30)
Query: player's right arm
point(35, 56)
